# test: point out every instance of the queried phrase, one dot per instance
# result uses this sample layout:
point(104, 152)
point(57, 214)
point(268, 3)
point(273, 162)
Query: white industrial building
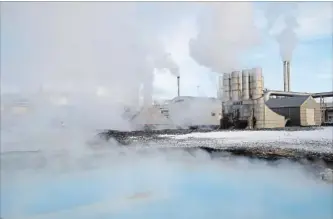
point(245, 101)
point(188, 111)
point(242, 103)
point(180, 112)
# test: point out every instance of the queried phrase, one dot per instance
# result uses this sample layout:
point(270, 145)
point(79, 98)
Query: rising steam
point(98, 54)
point(167, 62)
point(286, 37)
point(101, 48)
point(225, 32)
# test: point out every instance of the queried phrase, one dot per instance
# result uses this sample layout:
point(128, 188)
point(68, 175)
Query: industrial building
point(151, 118)
point(243, 103)
point(193, 112)
point(328, 113)
point(298, 111)
point(14, 104)
point(246, 103)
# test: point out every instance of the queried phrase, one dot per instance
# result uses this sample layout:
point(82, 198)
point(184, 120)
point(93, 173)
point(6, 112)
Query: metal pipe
point(288, 75)
point(323, 94)
point(285, 76)
point(178, 92)
point(293, 94)
point(284, 94)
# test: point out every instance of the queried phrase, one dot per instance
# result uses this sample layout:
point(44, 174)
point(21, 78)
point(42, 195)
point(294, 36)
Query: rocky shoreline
point(268, 151)
point(315, 153)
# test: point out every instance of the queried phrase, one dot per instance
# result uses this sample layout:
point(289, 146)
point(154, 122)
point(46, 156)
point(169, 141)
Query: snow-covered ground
point(320, 140)
point(250, 136)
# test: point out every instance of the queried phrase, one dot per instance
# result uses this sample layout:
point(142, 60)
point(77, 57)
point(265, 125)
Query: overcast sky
point(84, 45)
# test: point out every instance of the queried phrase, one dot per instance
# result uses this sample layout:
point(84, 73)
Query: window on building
point(213, 114)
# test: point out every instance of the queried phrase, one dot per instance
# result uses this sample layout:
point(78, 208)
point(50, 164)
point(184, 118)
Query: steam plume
point(225, 32)
point(286, 38)
point(167, 62)
point(81, 47)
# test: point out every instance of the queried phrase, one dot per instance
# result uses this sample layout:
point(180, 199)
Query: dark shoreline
point(277, 154)
point(145, 141)
point(254, 152)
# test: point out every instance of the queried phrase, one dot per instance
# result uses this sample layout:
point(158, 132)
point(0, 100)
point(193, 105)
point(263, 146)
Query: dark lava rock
point(270, 151)
point(123, 137)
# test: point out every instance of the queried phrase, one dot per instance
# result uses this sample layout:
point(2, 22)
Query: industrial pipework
point(178, 92)
point(286, 76)
point(283, 94)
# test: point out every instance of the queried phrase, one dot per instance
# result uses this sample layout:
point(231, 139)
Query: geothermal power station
point(246, 104)
point(243, 102)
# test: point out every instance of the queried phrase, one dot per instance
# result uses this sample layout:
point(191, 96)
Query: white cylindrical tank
point(220, 87)
point(220, 83)
point(262, 82)
point(245, 85)
point(240, 86)
point(226, 87)
point(259, 112)
point(256, 83)
point(235, 85)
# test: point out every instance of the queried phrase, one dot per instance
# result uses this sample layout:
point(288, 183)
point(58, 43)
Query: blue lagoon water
point(155, 186)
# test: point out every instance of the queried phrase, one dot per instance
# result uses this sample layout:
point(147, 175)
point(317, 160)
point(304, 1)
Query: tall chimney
point(285, 76)
point(178, 79)
point(288, 75)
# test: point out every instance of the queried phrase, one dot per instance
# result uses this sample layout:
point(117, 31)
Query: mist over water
point(52, 164)
point(67, 178)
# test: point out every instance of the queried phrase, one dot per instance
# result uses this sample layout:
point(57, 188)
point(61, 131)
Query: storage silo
point(226, 87)
point(221, 82)
point(235, 85)
point(220, 87)
point(256, 90)
point(259, 112)
point(240, 86)
point(256, 83)
point(245, 85)
point(262, 82)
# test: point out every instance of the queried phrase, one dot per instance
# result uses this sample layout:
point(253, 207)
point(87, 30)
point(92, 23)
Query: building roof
point(286, 102)
point(330, 104)
point(192, 98)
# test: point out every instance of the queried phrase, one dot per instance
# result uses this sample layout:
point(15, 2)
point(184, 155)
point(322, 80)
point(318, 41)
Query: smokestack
point(286, 76)
point(178, 79)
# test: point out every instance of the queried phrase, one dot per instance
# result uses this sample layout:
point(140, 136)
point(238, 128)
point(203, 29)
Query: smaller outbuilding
point(298, 110)
point(329, 113)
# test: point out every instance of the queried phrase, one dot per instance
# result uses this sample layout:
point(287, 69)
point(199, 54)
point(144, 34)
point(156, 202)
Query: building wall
point(330, 116)
point(150, 116)
point(271, 119)
point(293, 113)
point(310, 104)
point(195, 112)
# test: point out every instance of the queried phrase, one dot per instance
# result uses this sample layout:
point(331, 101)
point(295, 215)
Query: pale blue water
point(172, 189)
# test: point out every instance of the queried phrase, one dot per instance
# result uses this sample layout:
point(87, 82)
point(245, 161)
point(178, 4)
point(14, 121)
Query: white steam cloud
point(225, 33)
point(101, 48)
point(94, 57)
point(286, 37)
point(166, 62)
point(124, 183)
